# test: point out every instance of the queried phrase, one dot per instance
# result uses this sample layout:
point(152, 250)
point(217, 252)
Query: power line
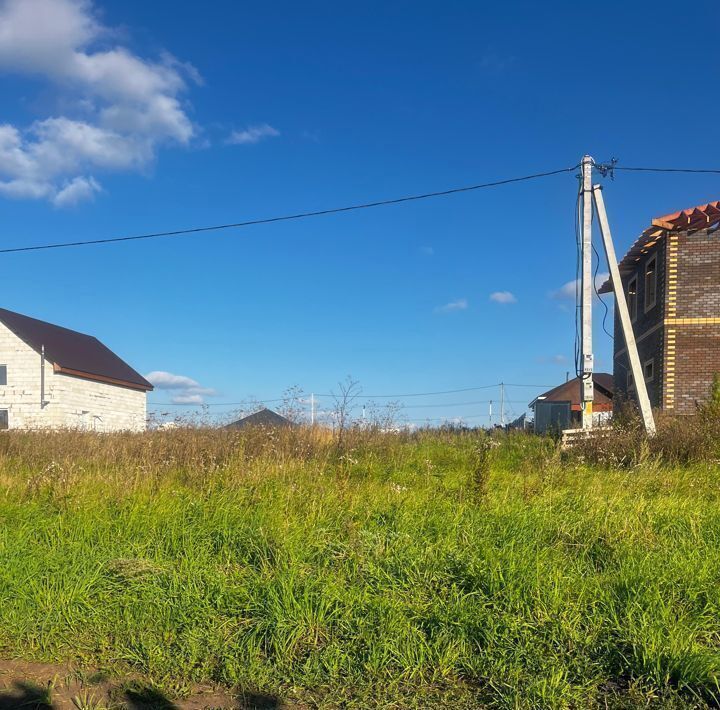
point(713, 171)
point(533, 386)
point(457, 404)
point(257, 400)
point(403, 406)
point(287, 218)
point(361, 396)
point(335, 210)
point(599, 296)
point(417, 394)
point(447, 419)
point(249, 402)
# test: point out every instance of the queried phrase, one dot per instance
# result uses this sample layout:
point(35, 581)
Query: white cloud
point(427, 251)
point(185, 390)
point(79, 189)
point(252, 134)
point(567, 291)
point(121, 107)
point(188, 399)
point(503, 297)
point(168, 381)
point(460, 305)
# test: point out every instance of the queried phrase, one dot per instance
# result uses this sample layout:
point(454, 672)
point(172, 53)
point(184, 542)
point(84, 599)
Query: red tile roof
point(700, 217)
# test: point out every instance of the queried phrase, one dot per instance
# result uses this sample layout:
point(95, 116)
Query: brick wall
point(692, 342)
point(648, 327)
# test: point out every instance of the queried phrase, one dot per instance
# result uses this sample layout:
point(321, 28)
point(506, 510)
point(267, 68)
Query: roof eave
point(147, 387)
point(689, 220)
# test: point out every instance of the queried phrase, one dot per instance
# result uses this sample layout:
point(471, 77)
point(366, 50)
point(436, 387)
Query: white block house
point(55, 378)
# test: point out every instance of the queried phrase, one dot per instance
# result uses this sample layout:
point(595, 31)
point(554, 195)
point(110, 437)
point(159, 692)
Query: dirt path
point(57, 687)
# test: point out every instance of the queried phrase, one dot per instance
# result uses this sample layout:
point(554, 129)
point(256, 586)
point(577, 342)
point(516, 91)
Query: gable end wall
point(71, 402)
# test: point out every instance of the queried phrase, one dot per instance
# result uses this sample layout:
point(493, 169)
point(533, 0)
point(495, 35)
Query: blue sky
point(127, 117)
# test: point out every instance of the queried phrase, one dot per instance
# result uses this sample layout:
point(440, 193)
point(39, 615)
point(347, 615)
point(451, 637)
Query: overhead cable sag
point(603, 168)
point(287, 218)
point(257, 400)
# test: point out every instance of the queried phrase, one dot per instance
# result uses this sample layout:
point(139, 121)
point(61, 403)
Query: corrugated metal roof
point(73, 353)
point(694, 218)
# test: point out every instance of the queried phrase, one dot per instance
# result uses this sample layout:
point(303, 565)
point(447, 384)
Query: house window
point(632, 297)
point(3, 374)
point(3, 418)
point(651, 283)
point(649, 370)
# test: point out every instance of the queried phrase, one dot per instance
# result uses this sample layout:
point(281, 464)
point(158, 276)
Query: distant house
point(264, 418)
point(671, 279)
point(521, 423)
point(55, 378)
point(560, 408)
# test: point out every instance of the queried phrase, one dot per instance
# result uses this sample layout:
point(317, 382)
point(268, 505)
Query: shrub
point(679, 440)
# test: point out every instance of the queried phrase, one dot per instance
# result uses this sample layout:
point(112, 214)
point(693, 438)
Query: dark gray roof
point(263, 418)
point(72, 352)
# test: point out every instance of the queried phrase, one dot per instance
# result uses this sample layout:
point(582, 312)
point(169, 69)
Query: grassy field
point(427, 570)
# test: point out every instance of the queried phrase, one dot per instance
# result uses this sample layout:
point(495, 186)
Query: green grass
point(403, 571)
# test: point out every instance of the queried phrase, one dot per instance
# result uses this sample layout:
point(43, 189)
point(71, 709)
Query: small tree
point(349, 391)
point(293, 404)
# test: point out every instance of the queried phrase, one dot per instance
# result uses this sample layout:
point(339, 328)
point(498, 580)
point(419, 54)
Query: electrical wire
point(447, 420)
point(604, 169)
point(334, 210)
point(713, 171)
point(315, 394)
point(412, 421)
point(403, 407)
point(456, 404)
point(532, 386)
point(418, 394)
point(597, 293)
point(251, 401)
point(289, 217)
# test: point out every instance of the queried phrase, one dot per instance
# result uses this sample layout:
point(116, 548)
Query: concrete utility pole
point(312, 410)
point(588, 390)
point(624, 313)
point(502, 404)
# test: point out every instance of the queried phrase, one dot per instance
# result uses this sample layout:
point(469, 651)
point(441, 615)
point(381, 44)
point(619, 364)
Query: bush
point(679, 440)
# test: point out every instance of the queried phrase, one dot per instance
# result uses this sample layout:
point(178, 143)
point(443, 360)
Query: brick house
point(55, 378)
point(671, 278)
